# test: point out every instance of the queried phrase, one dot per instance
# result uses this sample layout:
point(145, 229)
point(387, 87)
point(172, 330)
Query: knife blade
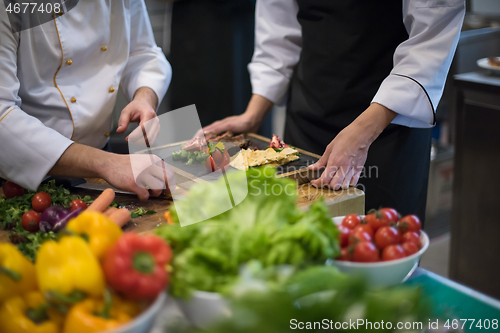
point(101, 187)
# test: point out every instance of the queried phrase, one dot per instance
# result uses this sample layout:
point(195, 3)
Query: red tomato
point(378, 219)
point(41, 201)
point(409, 223)
point(217, 156)
point(344, 254)
point(365, 252)
point(210, 164)
point(412, 237)
point(351, 221)
point(365, 227)
point(359, 236)
point(30, 221)
point(393, 252)
point(409, 248)
point(11, 190)
point(77, 203)
point(344, 235)
point(386, 236)
point(393, 213)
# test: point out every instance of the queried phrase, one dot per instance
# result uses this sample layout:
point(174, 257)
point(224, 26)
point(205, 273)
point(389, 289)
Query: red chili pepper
point(135, 266)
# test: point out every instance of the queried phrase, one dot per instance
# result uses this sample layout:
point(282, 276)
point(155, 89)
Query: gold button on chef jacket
point(38, 122)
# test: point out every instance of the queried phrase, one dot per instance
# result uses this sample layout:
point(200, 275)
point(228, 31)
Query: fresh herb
point(191, 157)
point(141, 211)
point(266, 226)
point(28, 242)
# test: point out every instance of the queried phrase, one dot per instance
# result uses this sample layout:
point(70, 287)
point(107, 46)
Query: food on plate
point(267, 226)
point(379, 236)
point(251, 158)
point(494, 61)
point(199, 142)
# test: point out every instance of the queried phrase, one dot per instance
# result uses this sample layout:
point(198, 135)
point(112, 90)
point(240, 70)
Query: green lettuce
point(266, 226)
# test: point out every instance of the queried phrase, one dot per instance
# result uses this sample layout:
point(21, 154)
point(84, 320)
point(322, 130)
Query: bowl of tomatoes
point(382, 247)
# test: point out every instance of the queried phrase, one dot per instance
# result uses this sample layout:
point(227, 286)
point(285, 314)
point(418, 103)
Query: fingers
point(355, 178)
point(124, 120)
point(322, 162)
point(347, 179)
point(142, 193)
point(326, 177)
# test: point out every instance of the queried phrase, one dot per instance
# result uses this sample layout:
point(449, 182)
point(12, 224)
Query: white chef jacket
point(421, 63)
point(59, 81)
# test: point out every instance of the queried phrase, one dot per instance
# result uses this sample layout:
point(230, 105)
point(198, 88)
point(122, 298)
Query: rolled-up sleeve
point(28, 149)
point(147, 65)
point(278, 42)
point(421, 63)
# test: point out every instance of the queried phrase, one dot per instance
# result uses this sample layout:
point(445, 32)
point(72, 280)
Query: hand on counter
point(345, 157)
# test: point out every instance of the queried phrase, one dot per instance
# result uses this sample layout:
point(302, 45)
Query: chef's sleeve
point(28, 149)
point(421, 63)
point(278, 42)
point(147, 65)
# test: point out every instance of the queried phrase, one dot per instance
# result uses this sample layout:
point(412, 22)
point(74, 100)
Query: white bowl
point(144, 322)
point(384, 273)
point(204, 308)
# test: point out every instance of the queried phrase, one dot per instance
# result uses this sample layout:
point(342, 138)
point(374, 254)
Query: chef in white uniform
point(362, 80)
point(58, 86)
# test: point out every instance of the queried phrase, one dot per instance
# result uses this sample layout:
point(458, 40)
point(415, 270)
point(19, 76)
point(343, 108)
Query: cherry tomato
point(393, 252)
point(411, 236)
point(11, 190)
point(345, 254)
point(409, 223)
point(351, 221)
point(378, 219)
point(30, 221)
point(78, 203)
point(359, 236)
point(210, 164)
point(386, 236)
point(41, 201)
point(409, 248)
point(393, 213)
point(365, 227)
point(344, 235)
point(365, 252)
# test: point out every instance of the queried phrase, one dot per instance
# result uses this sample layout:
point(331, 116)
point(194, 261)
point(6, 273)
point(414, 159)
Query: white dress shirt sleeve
point(28, 149)
point(147, 65)
point(278, 42)
point(421, 63)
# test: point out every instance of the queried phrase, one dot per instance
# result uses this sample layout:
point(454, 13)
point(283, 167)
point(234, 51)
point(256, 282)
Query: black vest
point(348, 48)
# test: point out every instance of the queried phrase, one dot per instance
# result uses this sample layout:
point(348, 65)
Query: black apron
point(347, 51)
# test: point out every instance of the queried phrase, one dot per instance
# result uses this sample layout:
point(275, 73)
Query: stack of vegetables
point(267, 226)
point(92, 278)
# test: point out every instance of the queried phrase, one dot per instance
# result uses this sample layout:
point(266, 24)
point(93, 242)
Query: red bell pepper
point(135, 266)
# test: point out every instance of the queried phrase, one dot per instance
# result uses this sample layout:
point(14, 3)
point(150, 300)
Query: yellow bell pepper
point(68, 266)
point(17, 273)
point(29, 314)
point(97, 315)
point(100, 231)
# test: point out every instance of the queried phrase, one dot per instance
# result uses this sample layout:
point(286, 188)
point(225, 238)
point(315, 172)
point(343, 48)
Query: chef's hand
point(142, 174)
point(345, 157)
point(141, 110)
point(247, 122)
